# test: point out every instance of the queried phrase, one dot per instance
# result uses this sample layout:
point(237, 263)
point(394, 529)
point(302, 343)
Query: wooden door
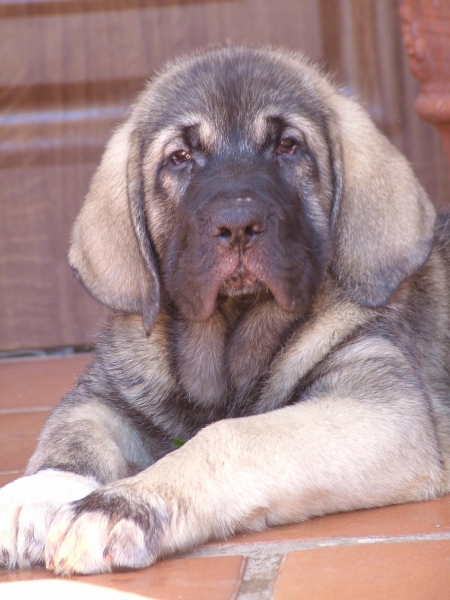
point(70, 68)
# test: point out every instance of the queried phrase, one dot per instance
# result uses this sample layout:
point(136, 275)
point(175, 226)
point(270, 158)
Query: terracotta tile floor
point(394, 553)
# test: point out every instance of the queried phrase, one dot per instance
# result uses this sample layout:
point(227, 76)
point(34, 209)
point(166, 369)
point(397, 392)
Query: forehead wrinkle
point(259, 124)
point(174, 134)
point(311, 131)
point(294, 120)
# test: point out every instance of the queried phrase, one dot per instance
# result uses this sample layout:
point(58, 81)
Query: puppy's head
point(243, 172)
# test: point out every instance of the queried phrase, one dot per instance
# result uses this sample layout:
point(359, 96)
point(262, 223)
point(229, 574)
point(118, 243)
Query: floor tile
point(69, 590)
point(390, 521)
point(18, 435)
point(406, 571)
point(38, 381)
point(188, 579)
point(8, 477)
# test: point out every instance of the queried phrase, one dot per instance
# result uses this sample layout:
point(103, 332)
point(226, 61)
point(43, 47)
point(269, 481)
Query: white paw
point(27, 507)
point(111, 528)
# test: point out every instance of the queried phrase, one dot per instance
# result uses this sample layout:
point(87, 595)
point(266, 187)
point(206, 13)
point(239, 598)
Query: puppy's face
point(237, 179)
point(244, 172)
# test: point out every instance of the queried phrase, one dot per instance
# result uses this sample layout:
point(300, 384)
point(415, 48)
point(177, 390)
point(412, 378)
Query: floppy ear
point(383, 221)
point(110, 250)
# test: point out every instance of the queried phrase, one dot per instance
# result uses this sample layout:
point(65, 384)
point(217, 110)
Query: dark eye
point(180, 156)
point(287, 146)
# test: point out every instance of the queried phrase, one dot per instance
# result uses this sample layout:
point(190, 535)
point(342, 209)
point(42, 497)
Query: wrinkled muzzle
point(240, 242)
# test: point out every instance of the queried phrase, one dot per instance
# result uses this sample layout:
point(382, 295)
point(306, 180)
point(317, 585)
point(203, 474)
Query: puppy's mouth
point(242, 283)
point(199, 278)
point(246, 283)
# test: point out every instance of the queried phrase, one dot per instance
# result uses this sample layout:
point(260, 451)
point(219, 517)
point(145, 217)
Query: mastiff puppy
point(280, 296)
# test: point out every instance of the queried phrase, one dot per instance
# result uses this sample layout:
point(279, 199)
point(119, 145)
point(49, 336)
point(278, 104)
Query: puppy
point(279, 291)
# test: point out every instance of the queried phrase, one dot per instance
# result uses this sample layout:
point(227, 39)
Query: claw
point(4, 558)
point(108, 558)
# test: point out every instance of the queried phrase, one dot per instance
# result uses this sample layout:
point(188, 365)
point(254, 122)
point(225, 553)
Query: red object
point(426, 37)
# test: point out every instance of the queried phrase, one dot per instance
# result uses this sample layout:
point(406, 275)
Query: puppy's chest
point(261, 363)
point(194, 373)
point(220, 364)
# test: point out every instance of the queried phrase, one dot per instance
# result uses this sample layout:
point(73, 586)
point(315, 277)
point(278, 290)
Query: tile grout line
point(259, 577)
point(266, 549)
point(240, 578)
point(31, 409)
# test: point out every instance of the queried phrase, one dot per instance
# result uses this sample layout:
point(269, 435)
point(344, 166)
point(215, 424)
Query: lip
point(242, 282)
point(198, 286)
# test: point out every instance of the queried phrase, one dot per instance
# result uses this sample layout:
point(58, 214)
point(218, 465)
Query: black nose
point(238, 224)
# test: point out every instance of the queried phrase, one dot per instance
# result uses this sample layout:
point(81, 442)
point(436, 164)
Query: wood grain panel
point(69, 71)
point(41, 301)
point(109, 44)
point(362, 45)
point(29, 8)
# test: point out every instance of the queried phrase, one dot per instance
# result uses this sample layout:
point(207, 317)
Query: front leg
point(27, 507)
point(84, 444)
point(360, 437)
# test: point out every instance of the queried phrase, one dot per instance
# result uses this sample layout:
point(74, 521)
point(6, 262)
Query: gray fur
point(281, 307)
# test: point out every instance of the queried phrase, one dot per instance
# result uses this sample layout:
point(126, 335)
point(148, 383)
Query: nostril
point(237, 224)
point(252, 231)
point(224, 233)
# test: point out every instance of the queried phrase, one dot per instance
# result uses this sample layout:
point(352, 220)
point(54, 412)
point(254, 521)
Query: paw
point(114, 527)
point(27, 507)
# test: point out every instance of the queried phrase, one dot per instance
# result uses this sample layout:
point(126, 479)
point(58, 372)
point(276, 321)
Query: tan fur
point(106, 213)
point(334, 319)
point(338, 406)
